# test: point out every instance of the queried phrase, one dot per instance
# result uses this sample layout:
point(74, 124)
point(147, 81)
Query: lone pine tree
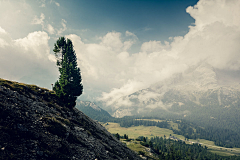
point(69, 85)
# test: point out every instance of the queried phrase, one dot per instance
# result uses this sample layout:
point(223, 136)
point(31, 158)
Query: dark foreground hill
point(35, 125)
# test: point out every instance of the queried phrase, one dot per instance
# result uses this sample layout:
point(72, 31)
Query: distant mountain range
point(201, 92)
point(93, 111)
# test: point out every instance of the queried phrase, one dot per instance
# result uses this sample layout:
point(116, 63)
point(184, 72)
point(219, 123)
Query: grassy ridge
point(24, 88)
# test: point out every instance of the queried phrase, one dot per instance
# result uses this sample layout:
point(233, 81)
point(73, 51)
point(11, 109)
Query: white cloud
point(207, 12)
point(127, 33)
point(128, 44)
point(43, 4)
point(3, 34)
point(64, 27)
point(3, 43)
point(39, 20)
point(154, 46)
point(116, 93)
point(215, 37)
point(2, 31)
point(112, 41)
point(109, 65)
point(15, 17)
point(50, 29)
point(36, 42)
point(102, 65)
point(57, 4)
point(147, 29)
point(27, 60)
point(85, 30)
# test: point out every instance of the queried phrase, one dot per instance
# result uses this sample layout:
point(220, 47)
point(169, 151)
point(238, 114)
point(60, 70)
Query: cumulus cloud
point(3, 34)
point(27, 59)
point(64, 27)
point(112, 41)
point(15, 17)
point(103, 59)
point(207, 12)
point(42, 3)
point(57, 4)
point(109, 65)
point(130, 34)
point(38, 20)
point(103, 65)
point(214, 37)
point(50, 29)
point(154, 46)
point(3, 43)
point(2, 31)
point(117, 93)
point(36, 43)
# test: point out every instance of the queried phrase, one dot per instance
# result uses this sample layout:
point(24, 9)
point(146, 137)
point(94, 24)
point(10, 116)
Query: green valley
point(152, 131)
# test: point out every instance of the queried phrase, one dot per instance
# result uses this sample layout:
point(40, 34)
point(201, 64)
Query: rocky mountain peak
point(199, 86)
point(200, 77)
point(89, 104)
point(203, 77)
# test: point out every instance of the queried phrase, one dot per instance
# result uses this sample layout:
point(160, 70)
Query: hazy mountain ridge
point(93, 111)
point(88, 104)
point(198, 87)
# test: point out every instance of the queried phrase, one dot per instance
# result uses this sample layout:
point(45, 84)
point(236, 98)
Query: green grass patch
point(136, 131)
point(135, 146)
point(222, 152)
point(139, 149)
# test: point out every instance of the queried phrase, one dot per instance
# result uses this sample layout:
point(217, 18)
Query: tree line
point(221, 137)
point(168, 149)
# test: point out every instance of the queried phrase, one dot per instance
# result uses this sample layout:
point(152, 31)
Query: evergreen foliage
point(117, 136)
point(69, 86)
point(221, 136)
point(172, 150)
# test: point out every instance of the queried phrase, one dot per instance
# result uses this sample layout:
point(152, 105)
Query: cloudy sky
point(121, 45)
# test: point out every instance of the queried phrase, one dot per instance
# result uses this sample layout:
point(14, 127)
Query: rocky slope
point(35, 125)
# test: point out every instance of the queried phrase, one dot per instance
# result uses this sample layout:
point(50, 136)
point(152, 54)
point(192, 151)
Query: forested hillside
point(167, 149)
